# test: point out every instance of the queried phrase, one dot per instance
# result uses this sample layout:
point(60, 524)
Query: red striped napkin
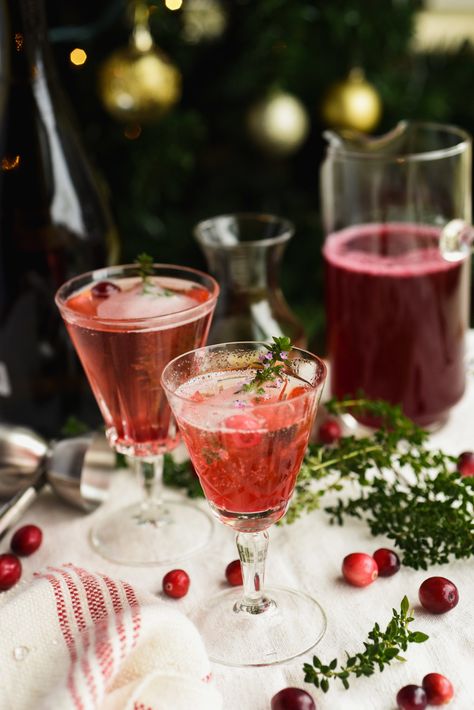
point(76, 640)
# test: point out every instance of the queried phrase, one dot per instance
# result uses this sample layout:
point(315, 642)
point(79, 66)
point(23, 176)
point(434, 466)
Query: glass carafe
point(397, 216)
point(244, 252)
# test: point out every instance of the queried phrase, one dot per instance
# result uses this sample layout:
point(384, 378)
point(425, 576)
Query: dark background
point(200, 159)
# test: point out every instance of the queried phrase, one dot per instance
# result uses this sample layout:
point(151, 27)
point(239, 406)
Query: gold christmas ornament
point(203, 20)
point(278, 124)
point(138, 83)
point(353, 103)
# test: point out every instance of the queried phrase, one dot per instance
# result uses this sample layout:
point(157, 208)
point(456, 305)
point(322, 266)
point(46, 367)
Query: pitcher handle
point(456, 240)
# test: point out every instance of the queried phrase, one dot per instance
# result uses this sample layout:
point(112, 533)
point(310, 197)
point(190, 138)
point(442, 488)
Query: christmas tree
point(196, 149)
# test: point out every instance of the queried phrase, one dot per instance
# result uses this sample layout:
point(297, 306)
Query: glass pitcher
point(244, 252)
point(397, 216)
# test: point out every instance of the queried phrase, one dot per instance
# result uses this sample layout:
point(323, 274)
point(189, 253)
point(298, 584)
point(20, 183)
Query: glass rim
point(288, 230)
point(310, 356)
point(464, 143)
point(106, 271)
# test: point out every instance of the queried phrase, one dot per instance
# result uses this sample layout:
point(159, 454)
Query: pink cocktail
point(124, 339)
point(125, 326)
point(397, 313)
point(249, 458)
point(247, 444)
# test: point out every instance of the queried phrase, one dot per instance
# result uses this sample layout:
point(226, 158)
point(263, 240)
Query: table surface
point(306, 555)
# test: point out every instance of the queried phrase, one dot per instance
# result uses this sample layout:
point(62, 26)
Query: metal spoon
point(78, 470)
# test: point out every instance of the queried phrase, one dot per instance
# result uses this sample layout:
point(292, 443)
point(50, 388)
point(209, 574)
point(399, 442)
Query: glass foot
point(134, 536)
point(290, 625)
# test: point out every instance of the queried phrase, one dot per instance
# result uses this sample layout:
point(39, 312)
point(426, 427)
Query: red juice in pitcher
point(397, 314)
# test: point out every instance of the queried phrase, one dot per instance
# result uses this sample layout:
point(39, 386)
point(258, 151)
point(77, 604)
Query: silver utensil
point(78, 470)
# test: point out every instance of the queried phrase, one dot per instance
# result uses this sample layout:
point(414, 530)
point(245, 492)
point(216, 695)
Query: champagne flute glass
point(126, 323)
point(247, 447)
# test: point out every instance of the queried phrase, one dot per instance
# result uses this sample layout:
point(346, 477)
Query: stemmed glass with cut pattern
point(247, 447)
point(126, 325)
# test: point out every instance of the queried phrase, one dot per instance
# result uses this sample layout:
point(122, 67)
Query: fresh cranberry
point(387, 561)
point(10, 571)
point(466, 463)
point(359, 569)
point(233, 573)
point(246, 432)
point(330, 431)
point(104, 289)
point(197, 293)
point(176, 583)
point(439, 690)
point(438, 594)
point(292, 699)
point(26, 540)
point(411, 697)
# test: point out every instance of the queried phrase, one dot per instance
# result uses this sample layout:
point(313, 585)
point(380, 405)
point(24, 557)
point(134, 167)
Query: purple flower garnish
point(272, 366)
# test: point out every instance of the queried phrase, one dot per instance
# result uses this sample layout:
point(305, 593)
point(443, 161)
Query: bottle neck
point(28, 50)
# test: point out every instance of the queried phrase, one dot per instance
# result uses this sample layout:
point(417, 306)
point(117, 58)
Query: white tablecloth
point(306, 555)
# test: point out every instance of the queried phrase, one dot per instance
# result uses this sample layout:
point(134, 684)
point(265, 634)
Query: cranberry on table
point(465, 463)
point(26, 540)
point(292, 699)
point(176, 583)
point(359, 569)
point(233, 573)
point(104, 289)
point(387, 561)
point(330, 431)
point(438, 595)
point(411, 697)
point(10, 571)
point(439, 690)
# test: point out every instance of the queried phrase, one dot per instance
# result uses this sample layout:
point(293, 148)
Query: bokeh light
point(78, 57)
point(173, 4)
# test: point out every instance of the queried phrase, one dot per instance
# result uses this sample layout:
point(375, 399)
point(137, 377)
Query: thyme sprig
point(271, 365)
point(145, 263)
point(404, 490)
point(380, 649)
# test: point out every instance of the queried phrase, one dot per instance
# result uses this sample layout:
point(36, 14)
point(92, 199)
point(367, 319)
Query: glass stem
point(150, 472)
point(252, 548)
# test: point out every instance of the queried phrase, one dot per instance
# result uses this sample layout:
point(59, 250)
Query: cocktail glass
point(126, 324)
point(247, 447)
